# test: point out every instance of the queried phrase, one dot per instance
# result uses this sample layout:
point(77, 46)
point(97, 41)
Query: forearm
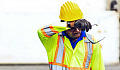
point(52, 29)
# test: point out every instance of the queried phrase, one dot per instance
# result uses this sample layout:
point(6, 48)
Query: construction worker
point(66, 43)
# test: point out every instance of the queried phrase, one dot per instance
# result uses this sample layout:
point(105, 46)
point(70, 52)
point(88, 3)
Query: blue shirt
point(79, 39)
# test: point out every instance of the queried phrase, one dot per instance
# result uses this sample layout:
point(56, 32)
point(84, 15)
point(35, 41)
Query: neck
point(75, 39)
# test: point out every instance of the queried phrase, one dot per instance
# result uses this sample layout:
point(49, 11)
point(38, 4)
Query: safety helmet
point(70, 11)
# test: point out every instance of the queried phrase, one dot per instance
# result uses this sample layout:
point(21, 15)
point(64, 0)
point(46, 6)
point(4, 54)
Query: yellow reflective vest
point(61, 56)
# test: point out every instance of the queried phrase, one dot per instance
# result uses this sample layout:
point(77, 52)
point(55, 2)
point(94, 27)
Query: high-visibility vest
point(61, 55)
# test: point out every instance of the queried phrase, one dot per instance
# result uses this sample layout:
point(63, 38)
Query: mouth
point(76, 34)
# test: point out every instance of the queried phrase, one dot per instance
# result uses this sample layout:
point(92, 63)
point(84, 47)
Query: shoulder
point(91, 39)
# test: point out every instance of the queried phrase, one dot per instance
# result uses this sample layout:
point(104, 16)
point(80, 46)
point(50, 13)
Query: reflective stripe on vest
point(58, 63)
point(59, 55)
point(60, 50)
point(56, 67)
point(48, 31)
point(89, 47)
point(88, 52)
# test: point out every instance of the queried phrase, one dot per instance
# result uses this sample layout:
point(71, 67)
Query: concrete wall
point(20, 19)
point(108, 27)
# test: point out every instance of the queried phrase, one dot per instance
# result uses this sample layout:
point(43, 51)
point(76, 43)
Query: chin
point(76, 37)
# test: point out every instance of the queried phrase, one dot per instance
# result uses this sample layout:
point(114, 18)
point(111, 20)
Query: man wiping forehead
point(66, 44)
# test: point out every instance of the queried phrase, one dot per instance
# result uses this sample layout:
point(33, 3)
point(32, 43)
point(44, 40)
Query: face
point(73, 33)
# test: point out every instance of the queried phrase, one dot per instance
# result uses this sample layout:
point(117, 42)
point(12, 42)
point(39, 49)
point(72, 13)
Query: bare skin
point(73, 33)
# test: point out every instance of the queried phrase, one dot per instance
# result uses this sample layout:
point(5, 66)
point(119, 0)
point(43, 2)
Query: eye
point(73, 28)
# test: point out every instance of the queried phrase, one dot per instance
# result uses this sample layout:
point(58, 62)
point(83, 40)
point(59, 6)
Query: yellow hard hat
point(70, 11)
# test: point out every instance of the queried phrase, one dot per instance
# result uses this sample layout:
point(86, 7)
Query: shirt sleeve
point(49, 34)
point(97, 60)
point(50, 30)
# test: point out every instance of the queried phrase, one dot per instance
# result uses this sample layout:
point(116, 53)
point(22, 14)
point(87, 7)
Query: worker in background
point(66, 43)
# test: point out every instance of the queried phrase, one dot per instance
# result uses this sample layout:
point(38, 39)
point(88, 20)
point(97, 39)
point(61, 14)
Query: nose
point(77, 30)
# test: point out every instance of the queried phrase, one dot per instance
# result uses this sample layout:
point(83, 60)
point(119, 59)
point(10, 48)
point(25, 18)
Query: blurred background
point(20, 19)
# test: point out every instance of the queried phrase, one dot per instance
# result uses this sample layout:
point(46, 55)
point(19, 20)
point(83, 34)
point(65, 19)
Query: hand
point(83, 24)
